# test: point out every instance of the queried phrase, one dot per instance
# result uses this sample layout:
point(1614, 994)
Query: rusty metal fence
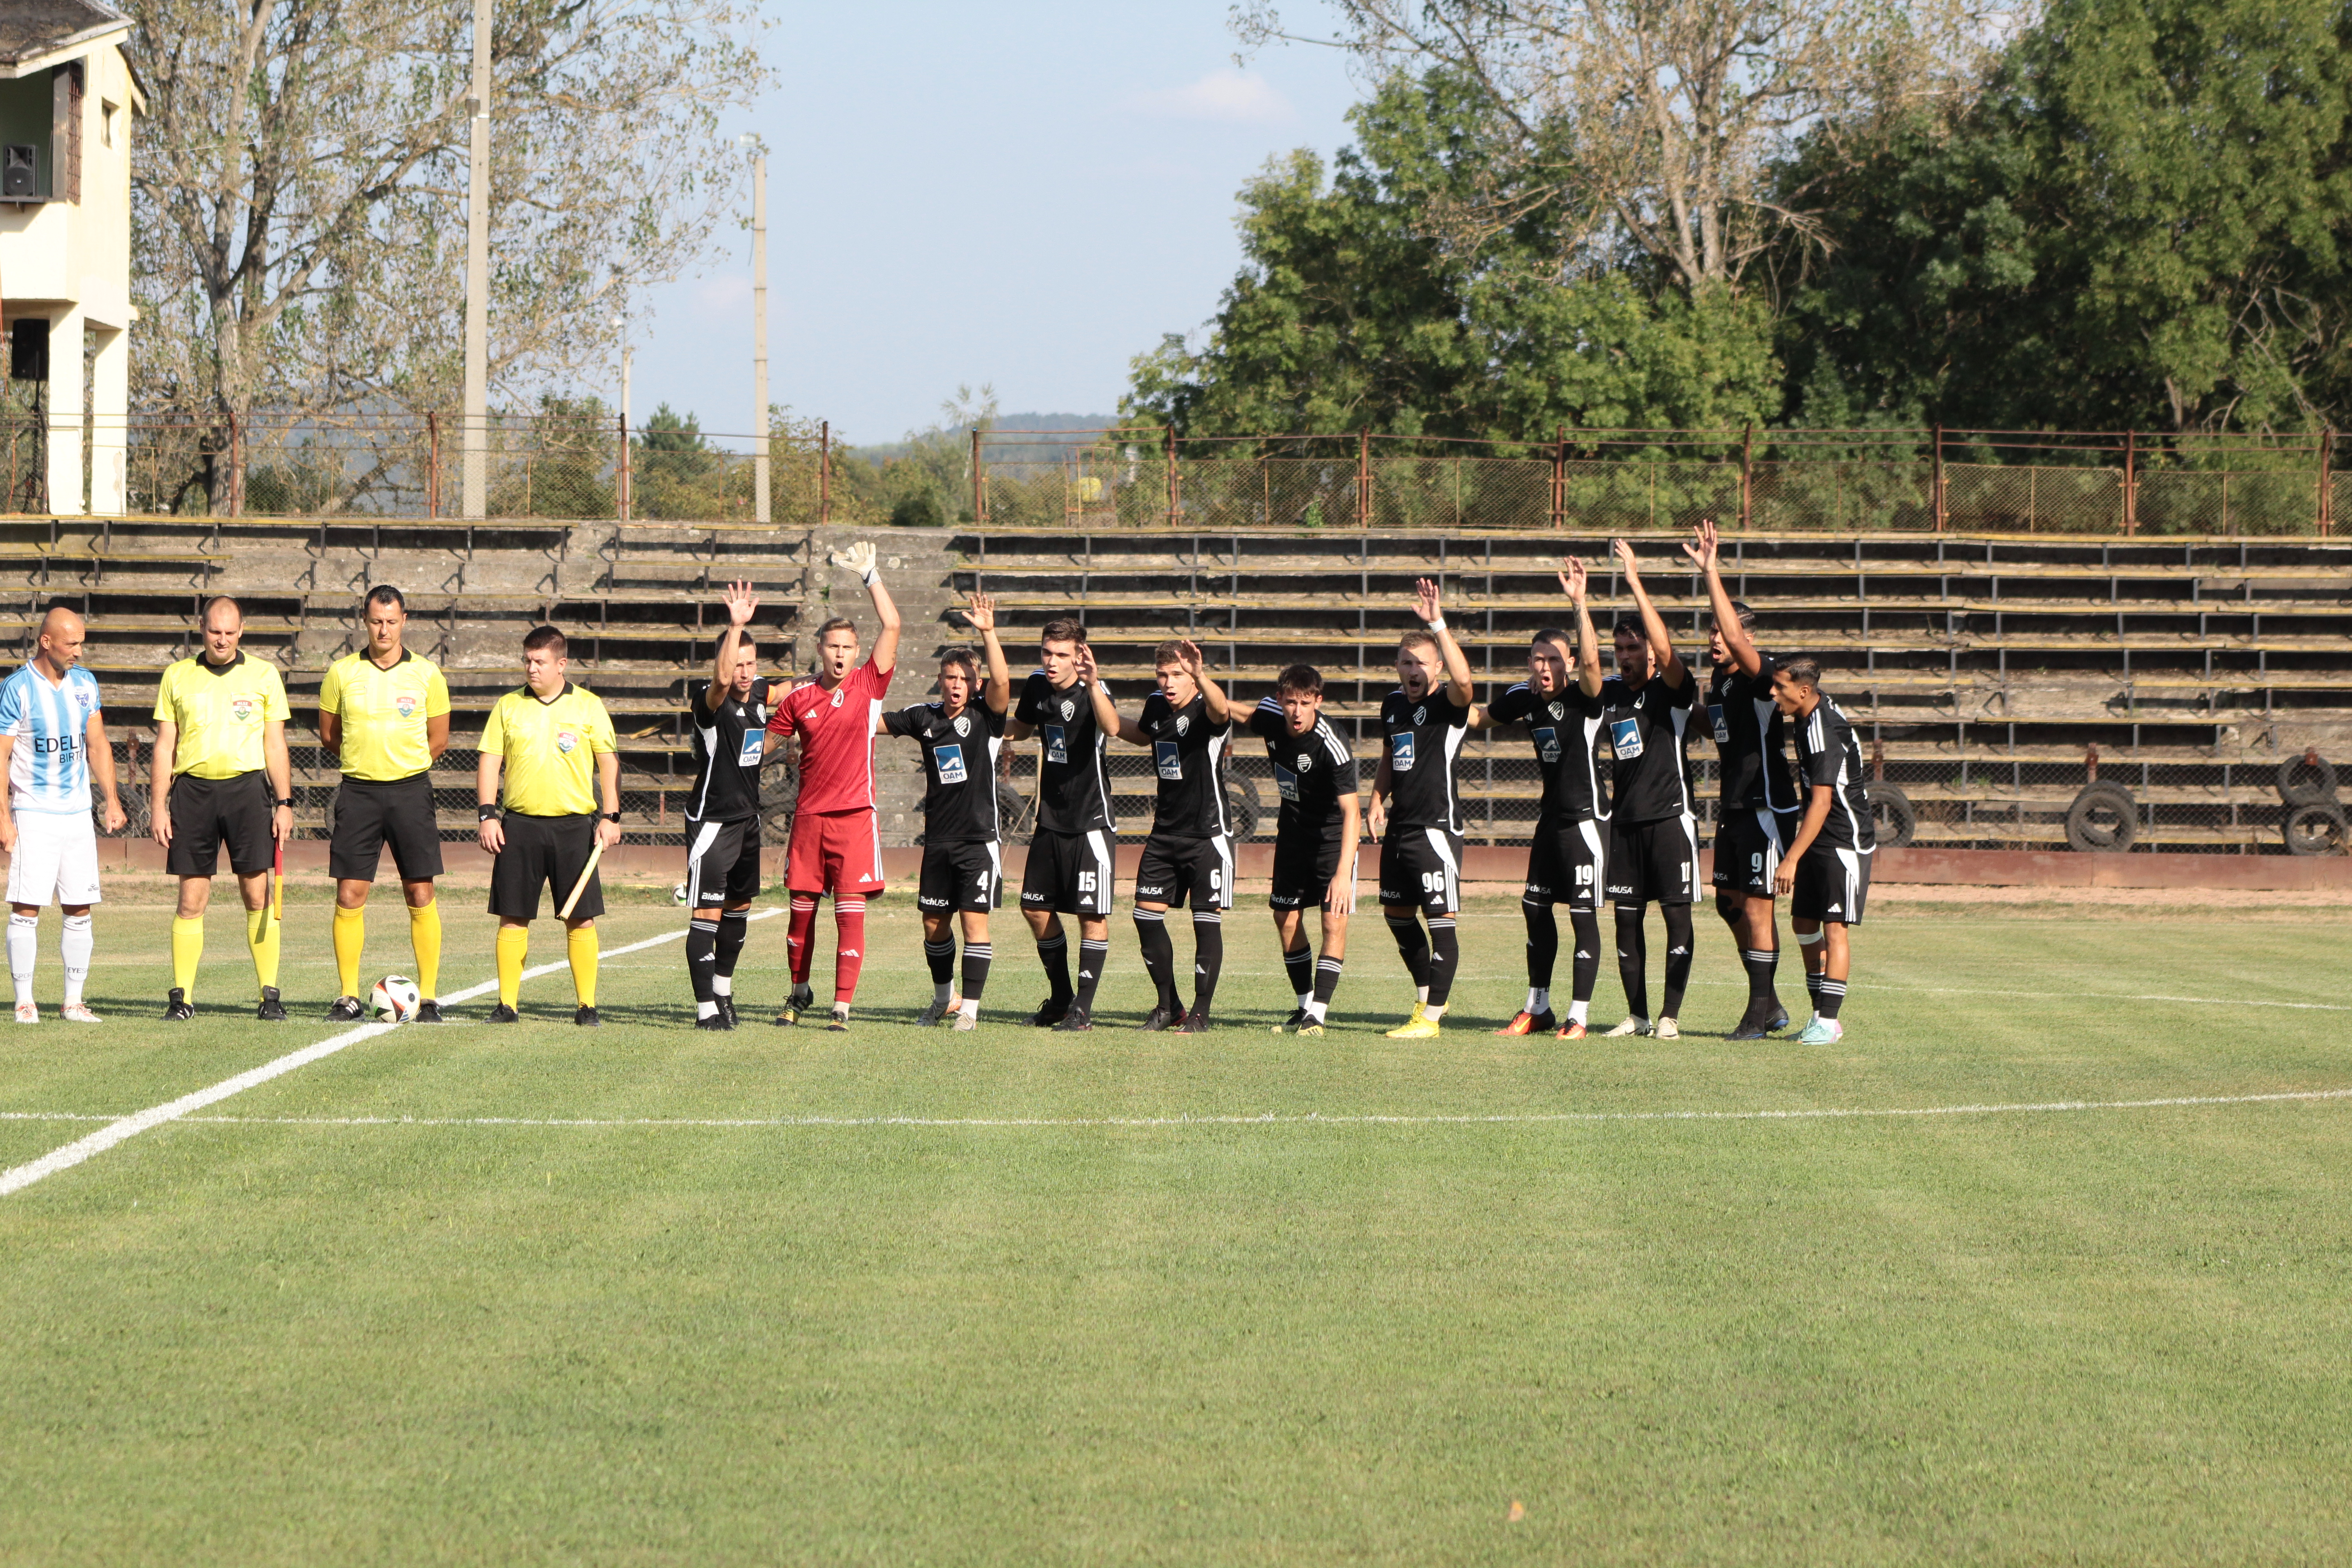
point(2125, 484)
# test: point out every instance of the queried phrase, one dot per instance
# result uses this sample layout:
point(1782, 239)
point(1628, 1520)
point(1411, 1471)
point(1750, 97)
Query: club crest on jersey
point(241, 709)
point(566, 741)
point(1557, 711)
point(1420, 716)
point(1305, 761)
point(1069, 707)
point(963, 725)
point(85, 699)
point(405, 705)
point(838, 693)
point(1183, 722)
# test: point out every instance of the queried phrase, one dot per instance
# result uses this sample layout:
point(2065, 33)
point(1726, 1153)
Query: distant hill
point(1007, 452)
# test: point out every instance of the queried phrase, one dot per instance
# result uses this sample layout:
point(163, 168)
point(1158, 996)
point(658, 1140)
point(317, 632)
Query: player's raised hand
point(1703, 545)
point(1425, 601)
point(982, 613)
point(857, 558)
point(1574, 580)
point(1624, 552)
point(1085, 663)
point(741, 602)
point(1188, 655)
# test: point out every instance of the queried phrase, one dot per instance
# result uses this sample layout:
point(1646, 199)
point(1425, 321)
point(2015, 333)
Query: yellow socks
point(261, 935)
point(425, 936)
point(187, 951)
point(514, 946)
point(350, 935)
point(581, 947)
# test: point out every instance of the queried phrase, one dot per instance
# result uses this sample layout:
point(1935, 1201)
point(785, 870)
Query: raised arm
point(1106, 717)
point(1221, 707)
point(741, 605)
point(982, 615)
point(1579, 582)
point(1736, 640)
point(1457, 667)
point(859, 558)
point(1653, 626)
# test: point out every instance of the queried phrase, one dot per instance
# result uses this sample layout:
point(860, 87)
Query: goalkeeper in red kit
point(836, 844)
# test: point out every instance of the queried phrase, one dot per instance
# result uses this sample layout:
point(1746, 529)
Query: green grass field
point(648, 1294)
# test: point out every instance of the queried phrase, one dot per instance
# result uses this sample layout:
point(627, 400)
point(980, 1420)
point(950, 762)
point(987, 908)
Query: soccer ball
point(394, 999)
point(678, 894)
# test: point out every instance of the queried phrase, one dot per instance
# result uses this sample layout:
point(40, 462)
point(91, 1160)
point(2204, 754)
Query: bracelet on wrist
point(487, 812)
point(1438, 625)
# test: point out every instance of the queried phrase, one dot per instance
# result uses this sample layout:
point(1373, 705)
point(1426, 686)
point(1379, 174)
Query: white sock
point(1420, 993)
point(942, 992)
point(706, 1009)
point(1538, 999)
point(1577, 1013)
point(1314, 1009)
point(722, 985)
point(74, 946)
point(24, 947)
point(1432, 1012)
point(971, 1008)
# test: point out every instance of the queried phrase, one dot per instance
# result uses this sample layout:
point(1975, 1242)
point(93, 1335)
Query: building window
point(106, 113)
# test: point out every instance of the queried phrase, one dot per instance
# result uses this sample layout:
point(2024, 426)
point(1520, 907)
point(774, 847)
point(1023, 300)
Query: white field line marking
point(1268, 1118)
point(114, 1132)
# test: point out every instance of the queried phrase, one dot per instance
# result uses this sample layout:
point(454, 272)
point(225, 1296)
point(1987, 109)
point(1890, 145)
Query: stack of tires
point(2314, 819)
point(2103, 819)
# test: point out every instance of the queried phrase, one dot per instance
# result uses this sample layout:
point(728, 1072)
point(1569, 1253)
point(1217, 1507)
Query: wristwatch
point(612, 816)
point(287, 803)
point(487, 812)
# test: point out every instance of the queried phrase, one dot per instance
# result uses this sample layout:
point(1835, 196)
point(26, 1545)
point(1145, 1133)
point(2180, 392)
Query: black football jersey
point(1566, 729)
point(1648, 736)
point(1751, 744)
point(1073, 786)
point(1421, 738)
point(1188, 757)
point(727, 745)
point(959, 768)
point(1312, 772)
point(1828, 752)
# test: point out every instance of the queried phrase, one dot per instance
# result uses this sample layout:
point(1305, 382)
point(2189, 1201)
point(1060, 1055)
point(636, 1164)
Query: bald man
point(52, 742)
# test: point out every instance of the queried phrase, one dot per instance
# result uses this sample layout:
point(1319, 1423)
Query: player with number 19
point(961, 735)
point(722, 818)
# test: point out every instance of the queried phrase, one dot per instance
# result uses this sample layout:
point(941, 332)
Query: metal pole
point(477, 274)
point(825, 471)
point(628, 467)
point(1363, 479)
point(2327, 483)
point(432, 473)
point(764, 511)
point(2131, 482)
point(1747, 473)
point(979, 508)
point(1170, 434)
point(1936, 479)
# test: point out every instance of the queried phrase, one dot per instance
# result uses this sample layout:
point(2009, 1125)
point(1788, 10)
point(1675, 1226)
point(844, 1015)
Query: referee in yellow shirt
point(554, 744)
point(385, 713)
point(221, 773)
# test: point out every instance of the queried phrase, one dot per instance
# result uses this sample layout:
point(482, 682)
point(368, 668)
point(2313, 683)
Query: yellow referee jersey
point(551, 749)
point(220, 710)
point(382, 712)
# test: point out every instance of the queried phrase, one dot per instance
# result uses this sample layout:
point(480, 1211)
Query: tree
point(1646, 127)
point(299, 188)
point(2142, 224)
point(1352, 313)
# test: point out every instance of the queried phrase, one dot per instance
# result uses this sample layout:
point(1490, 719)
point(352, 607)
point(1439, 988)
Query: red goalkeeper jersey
point(837, 735)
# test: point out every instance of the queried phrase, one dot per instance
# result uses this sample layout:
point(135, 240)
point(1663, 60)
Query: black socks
point(1543, 943)
point(1159, 956)
point(1586, 924)
point(1632, 961)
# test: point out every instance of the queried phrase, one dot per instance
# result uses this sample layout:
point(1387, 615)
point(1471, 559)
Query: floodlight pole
point(764, 511)
point(477, 274)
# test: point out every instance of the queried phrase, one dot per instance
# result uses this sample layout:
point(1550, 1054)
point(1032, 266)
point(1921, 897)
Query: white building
point(66, 98)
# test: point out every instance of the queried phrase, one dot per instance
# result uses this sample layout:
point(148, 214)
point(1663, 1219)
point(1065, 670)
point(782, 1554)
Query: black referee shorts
point(722, 863)
point(206, 812)
point(544, 852)
point(369, 815)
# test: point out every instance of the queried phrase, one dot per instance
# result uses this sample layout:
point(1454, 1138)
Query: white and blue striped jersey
point(49, 770)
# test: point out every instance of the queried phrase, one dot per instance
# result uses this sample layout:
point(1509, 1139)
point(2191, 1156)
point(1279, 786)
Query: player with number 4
point(961, 735)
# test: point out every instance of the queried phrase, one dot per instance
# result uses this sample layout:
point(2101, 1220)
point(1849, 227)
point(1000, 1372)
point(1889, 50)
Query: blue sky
point(1027, 193)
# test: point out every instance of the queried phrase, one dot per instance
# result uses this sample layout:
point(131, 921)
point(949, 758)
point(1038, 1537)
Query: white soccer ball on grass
point(394, 999)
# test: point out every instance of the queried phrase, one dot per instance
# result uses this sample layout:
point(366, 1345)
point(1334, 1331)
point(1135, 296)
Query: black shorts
point(1173, 868)
point(1564, 864)
point(1421, 868)
point(1748, 844)
point(1303, 868)
point(1070, 872)
point(1832, 886)
point(368, 814)
point(205, 812)
point(1654, 862)
point(544, 852)
point(969, 874)
point(722, 863)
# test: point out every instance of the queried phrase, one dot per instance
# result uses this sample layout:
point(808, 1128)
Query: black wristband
point(612, 816)
point(487, 812)
point(287, 803)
